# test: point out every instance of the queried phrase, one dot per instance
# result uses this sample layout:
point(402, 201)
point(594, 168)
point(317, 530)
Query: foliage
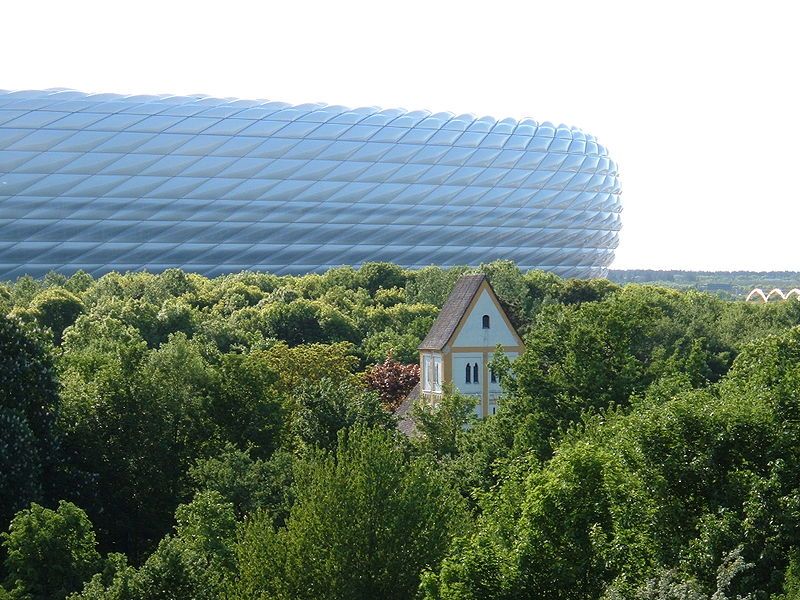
point(431, 285)
point(366, 520)
point(670, 585)
point(378, 275)
point(248, 484)
point(191, 565)
point(388, 342)
point(56, 309)
point(50, 553)
point(791, 582)
point(29, 406)
point(392, 381)
point(306, 322)
point(678, 484)
point(20, 467)
point(597, 354)
point(323, 409)
point(441, 425)
point(311, 363)
point(508, 283)
point(223, 434)
point(136, 419)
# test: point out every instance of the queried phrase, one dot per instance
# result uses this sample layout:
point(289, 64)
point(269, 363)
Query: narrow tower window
point(486, 321)
point(475, 373)
point(469, 373)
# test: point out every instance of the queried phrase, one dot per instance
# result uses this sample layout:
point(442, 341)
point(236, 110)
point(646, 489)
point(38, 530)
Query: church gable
point(472, 317)
point(485, 324)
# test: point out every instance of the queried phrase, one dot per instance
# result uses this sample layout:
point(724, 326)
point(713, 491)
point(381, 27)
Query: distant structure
point(463, 339)
point(758, 293)
point(104, 182)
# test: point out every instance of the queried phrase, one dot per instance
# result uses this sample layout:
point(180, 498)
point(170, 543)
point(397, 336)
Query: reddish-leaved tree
point(392, 380)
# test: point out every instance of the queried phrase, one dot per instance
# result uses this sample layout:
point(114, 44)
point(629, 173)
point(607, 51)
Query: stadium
point(104, 182)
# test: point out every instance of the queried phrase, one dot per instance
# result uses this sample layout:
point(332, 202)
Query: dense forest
point(178, 437)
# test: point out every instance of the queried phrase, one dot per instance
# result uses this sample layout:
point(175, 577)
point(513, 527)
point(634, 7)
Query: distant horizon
point(754, 271)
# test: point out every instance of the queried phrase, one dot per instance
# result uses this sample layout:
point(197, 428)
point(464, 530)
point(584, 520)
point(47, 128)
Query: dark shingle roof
point(452, 311)
point(405, 422)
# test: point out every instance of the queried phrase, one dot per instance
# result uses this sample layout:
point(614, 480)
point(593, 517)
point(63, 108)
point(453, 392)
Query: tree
point(791, 582)
point(50, 554)
point(542, 287)
point(24, 290)
point(647, 444)
point(117, 581)
point(243, 403)
point(402, 318)
point(306, 322)
point(322, 409)
point(154, 321)
point(5, 302)
point(596, 354)
point(509, 285)
point(670, 584)
point(365, 522)
point(193, 564)
point(121, 432)
point(137, 419)
point(249, 484)
point(432, 285)
point(401, 346)
point(381, 275)
point(29, 405)
point(311, 363)
point(577, 291)
point(20, 464)
point(392, 381)
point(79, 282)
point(441, 425)
point(56, 309)
point(702, 484)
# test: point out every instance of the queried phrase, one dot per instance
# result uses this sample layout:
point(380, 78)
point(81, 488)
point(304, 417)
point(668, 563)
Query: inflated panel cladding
point(105, 182)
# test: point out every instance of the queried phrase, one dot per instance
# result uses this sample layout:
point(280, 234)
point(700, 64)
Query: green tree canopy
point(56, 309)
point(50, 553)
point(29, 404)
point(365, 522)
point(676, 484)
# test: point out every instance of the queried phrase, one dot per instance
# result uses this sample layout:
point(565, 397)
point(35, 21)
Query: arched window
point(468, 378)
point(475, 373)
point(486, 321)
point(492, 376)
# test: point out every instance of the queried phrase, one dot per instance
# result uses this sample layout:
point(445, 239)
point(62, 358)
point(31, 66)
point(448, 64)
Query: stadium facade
point(104, 182)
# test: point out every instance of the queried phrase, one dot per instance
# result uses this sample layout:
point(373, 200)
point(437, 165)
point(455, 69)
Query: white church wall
point(460, 362)
point(473, 334)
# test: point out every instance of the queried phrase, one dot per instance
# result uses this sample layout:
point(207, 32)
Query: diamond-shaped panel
point(105, 182)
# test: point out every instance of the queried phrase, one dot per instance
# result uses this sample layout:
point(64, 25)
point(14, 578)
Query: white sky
point(697, 101)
